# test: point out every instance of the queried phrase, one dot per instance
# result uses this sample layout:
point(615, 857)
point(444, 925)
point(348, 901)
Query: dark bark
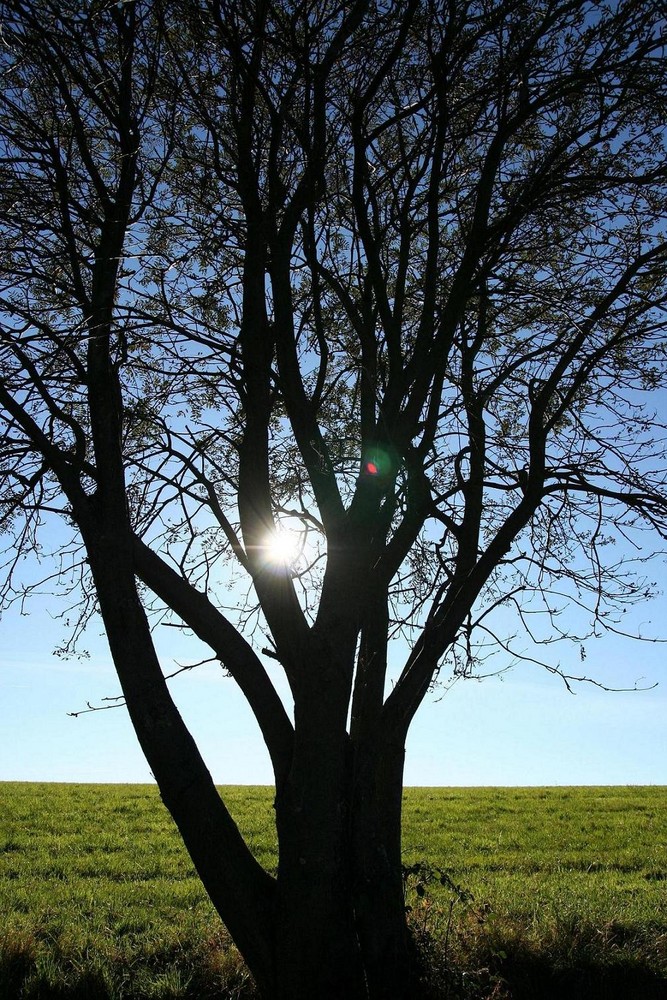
point(240, 889)
point(378, 876)
point(341, 925)
point(340, 917)
point(317, 953)
point(316, 949)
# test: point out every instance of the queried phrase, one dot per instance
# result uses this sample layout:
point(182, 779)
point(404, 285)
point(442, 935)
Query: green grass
point(601, 852)
point(569, 888)
point(98, 898)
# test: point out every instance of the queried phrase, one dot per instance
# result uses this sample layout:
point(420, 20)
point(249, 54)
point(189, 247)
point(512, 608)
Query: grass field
point(564, 894)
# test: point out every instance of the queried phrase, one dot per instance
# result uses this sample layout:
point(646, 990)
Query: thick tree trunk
point(316, 949)
point(378, 878)
point(332, 926)
point(341, 928)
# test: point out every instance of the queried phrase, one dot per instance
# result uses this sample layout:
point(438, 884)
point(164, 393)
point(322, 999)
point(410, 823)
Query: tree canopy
point(382, 284)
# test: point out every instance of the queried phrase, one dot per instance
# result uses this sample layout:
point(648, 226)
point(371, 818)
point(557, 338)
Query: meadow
point(516, 893)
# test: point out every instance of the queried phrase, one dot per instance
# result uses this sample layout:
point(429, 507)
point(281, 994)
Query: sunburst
point(283, 548)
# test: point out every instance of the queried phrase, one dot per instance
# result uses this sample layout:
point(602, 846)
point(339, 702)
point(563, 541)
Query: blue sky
point(523, 728)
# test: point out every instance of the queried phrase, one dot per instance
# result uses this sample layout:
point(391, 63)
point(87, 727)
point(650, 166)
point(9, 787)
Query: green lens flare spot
point(377, 464)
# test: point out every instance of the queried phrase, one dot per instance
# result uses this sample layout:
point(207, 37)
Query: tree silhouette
point(386, 279)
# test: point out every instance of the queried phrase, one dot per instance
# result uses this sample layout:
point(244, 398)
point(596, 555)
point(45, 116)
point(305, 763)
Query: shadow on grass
point(529, 981)
point(585, 965)
point(28, 973)
point(517, 974)
point(529, 978)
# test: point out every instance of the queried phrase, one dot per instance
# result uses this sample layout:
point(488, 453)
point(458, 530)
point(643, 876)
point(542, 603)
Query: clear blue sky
point(523, 729)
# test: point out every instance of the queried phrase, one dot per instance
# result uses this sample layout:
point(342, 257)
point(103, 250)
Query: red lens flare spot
point(372, 469)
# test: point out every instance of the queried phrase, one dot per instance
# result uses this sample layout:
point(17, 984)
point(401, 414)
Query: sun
point(283, 548)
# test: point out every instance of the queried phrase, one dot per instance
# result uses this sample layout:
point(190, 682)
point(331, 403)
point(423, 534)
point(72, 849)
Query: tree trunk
point(317, 951)
point(332, 925)
point(316, 948)
point(341, 930)
point(378, 877)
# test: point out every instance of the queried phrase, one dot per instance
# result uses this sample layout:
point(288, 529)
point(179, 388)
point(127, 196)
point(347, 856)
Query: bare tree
point(388, 279)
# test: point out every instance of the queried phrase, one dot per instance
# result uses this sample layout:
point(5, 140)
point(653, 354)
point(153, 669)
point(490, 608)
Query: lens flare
point(378, 463)
point(283, 548)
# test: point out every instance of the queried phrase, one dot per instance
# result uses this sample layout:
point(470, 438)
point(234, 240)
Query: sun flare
point(283, 548)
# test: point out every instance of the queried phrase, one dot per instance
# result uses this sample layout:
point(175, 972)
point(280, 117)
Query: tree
point(388, 277)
